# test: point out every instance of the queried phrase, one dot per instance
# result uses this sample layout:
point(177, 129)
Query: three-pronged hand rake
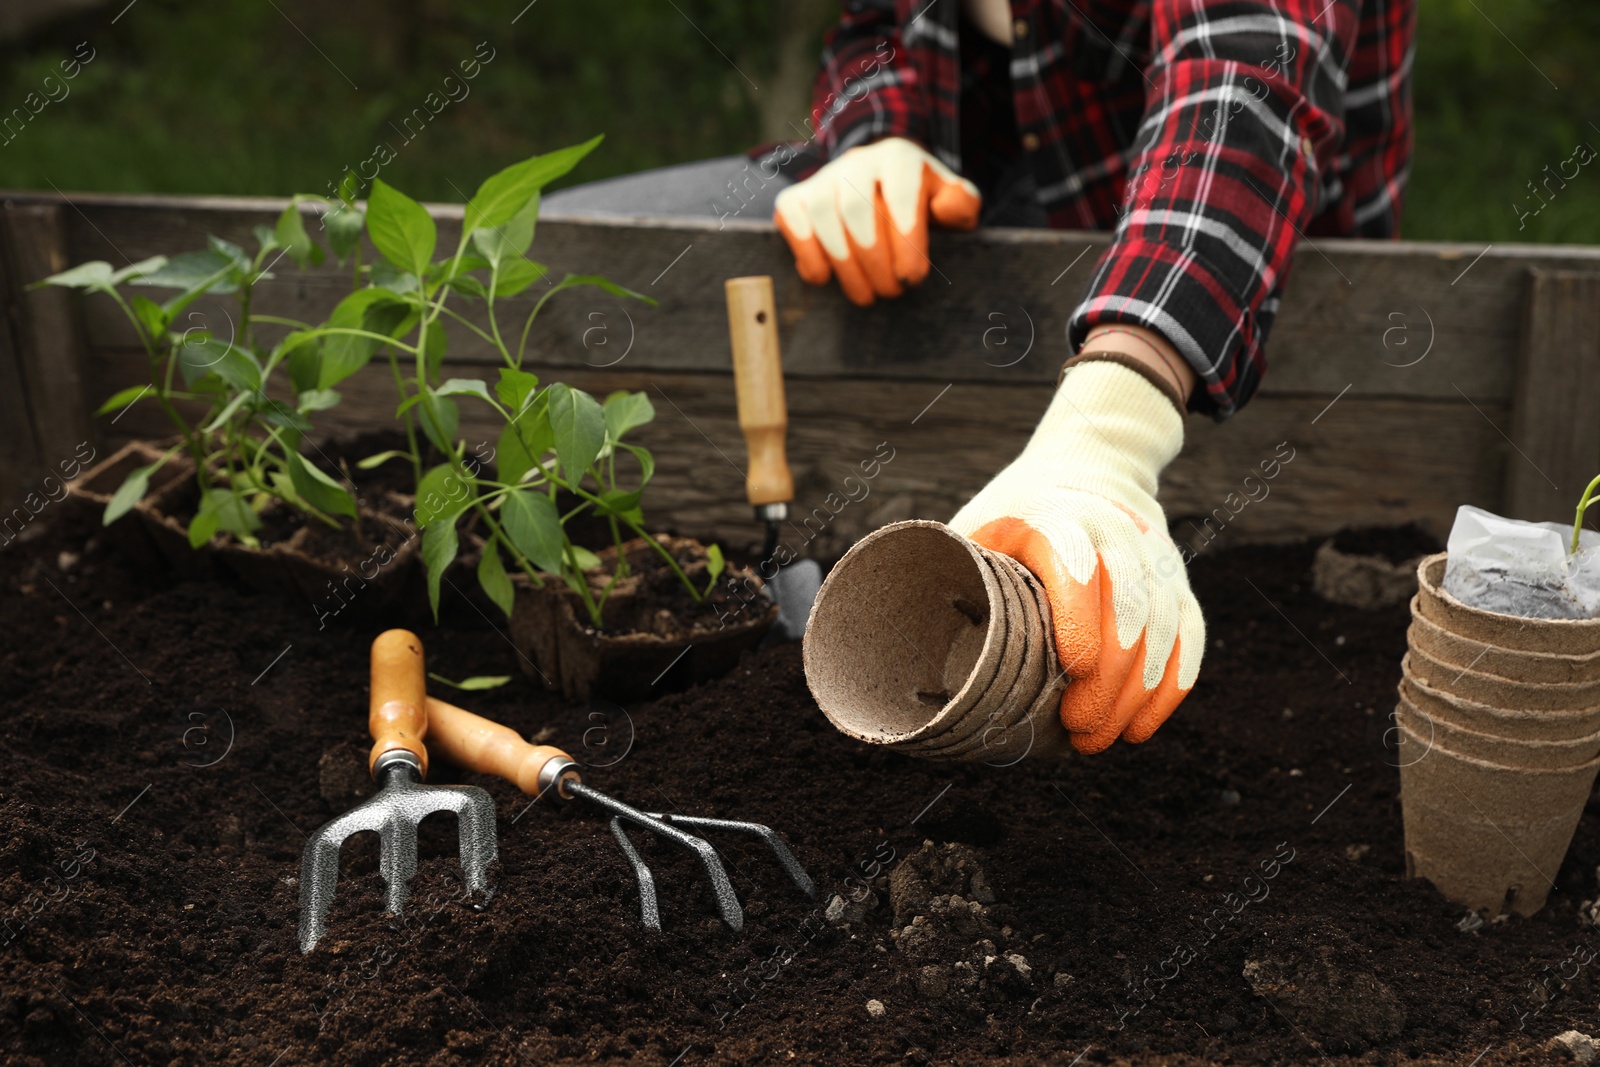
point(479, 744)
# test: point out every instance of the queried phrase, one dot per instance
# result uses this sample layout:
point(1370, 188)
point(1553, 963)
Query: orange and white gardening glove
point(1078, 509)
point(864, 217)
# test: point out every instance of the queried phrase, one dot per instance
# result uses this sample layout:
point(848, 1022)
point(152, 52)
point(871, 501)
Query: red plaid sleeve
point(873, 82)
point(1244, 131)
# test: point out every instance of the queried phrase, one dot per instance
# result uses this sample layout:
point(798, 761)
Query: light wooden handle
point(478, 744)
point(397, 717)
point(758, 380)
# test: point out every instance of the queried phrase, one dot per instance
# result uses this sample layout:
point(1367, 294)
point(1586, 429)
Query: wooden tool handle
point(758, 380)
point(485, 746)
point(398, 715)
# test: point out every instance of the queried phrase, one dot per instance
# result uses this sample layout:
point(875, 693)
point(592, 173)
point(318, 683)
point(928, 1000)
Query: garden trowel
point(764, 418)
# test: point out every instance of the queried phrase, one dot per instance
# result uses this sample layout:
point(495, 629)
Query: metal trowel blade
point(794, 588)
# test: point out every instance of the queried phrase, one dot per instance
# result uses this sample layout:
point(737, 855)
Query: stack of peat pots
point(1500, 721)
point(924, 642)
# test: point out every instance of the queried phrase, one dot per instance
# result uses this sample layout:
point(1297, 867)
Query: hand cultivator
point(399, 761)
point(478, 744)
point(401, 716)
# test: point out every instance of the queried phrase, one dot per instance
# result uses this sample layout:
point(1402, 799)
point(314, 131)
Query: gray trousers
point(735, 187)
point(728, 187)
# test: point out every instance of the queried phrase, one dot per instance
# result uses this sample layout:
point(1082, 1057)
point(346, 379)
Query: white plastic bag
point(1522, 568)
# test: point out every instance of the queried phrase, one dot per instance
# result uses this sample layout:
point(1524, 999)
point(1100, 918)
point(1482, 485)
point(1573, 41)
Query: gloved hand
point(1078, 509)
point(864, 217)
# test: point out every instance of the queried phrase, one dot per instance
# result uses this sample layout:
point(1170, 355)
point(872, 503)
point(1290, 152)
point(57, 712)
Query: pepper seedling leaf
point(344, 223)
point(465, 387)
point(122, 398)
point(380, 459)
point(317, 489)
point(516, 275)
point(715, 565)
point(202, 528)
point(580, 428)
point(504, 194)
point(516, 388)
point(476, 682)
point(290, 233)
point(534, 526)
point(492, 577)
point(129, 493)
point(439, 547)
point(510, 240)
point(626, 411)
point(442, 495)
point(401, 229)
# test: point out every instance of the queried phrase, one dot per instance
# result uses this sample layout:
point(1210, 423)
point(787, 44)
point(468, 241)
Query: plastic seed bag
point(1522, 568)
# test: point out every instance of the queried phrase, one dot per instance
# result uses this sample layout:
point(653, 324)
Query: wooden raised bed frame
point(1498, 413)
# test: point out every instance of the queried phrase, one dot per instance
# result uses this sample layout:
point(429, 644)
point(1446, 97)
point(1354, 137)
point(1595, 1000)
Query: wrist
point(1147, 348)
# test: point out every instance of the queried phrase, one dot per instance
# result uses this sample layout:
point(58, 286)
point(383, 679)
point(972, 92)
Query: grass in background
point(230, 97)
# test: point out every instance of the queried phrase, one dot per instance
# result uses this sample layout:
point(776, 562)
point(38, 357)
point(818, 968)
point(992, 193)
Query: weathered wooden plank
point(48, 338)
point(19, 445)
point(1383, 318)
point(1360, 461)
point(1555, 424)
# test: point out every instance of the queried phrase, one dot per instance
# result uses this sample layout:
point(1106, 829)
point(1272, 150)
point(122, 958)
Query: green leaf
point(380, 459)
point(305, 365)
point(440, 418)
point(202, 528)
point(266, 237)
point(492, 577)
point(129, 493)
point(625, 411)
point(232, 511)
point(619, 502)
point(480, 681)
point(583, 559)
point(580, 428)
point(317, 489)
point(386, 275)
point(401, 229)
point(647, 462)
point(151, 315)
point(516, 388)
point(122, 398)
point(510, 241)
point(503, 195)
point(573, 281)
point(516, 275)
point(236, 255)
point(433, 348)
point(442, 495)
point(439, 547)
point(96, 274)
point(465, 386)
point(317, 400)
point(534, 526)
point(715, 565)
point(349, 188)
point(212, 271)
point(202, 355)
point(290, 232)
point(375, 310)
point(344, 224)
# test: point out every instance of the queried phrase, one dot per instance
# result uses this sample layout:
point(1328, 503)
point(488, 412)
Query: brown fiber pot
point(1506, 713)
point(1567, 637)
point(923, 641)
point(558, 647)
point(1489, 837)
point(150, 535)
point(131, 534)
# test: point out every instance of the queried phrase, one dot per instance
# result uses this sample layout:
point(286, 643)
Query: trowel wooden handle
point(398, 717)
point(758, 380)
point(478, 744)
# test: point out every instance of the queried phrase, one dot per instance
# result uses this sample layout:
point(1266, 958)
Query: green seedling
point(1589, 497)
point(474, 684)
point(555, 443)
point(246, 444)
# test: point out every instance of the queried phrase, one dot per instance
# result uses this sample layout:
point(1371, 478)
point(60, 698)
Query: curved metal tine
point(786, 859)
point(722, 889)
point(650, 911)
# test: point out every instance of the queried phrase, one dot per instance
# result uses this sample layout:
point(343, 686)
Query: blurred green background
point(274, 97)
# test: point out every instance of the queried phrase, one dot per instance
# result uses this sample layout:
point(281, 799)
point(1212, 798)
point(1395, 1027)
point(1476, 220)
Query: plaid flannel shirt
point(1209, 134)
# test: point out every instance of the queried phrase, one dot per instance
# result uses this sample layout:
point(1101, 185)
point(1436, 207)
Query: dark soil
point(1397, 544)
point(169, 746)
point(650, 598)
